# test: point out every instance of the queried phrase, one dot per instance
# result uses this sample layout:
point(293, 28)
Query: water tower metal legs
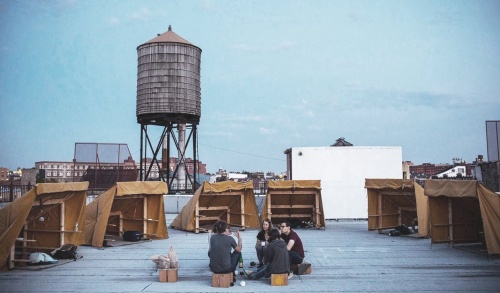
point(163, 163)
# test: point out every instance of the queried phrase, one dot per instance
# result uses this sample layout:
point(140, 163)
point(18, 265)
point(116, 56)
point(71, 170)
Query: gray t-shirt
point(220, 253)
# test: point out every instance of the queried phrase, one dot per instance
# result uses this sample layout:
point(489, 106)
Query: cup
point(263, 243)
point(243, 283)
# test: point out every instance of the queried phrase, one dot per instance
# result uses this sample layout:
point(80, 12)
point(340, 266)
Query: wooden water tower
point(169, 96)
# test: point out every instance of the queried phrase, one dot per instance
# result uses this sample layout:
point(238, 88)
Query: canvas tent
point(233, 202)
point(12, 219)
point(45, 218)
point(127, 206)
point(296, 200)
point(396, 202)
point(463, 211)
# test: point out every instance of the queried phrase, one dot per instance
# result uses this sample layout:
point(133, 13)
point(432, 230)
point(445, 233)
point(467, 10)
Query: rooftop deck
point(345, 257)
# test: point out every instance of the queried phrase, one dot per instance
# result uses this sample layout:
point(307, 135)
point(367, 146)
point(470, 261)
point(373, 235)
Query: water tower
point(169, 96)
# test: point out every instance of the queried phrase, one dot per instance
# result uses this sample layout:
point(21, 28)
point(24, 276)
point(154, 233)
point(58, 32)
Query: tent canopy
point(127, 206)
point(12, 219)
point(45, 218)
point(394, 202)
point(294, 200)
point(233, 202)
point(463, 211)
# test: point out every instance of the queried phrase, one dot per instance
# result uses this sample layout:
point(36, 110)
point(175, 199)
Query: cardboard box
point(168, 275)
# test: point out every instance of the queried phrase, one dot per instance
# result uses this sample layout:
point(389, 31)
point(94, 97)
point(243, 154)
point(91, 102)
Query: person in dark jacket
point(276, 256)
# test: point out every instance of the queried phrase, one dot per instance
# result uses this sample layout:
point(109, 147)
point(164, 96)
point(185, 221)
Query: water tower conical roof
point(169, 37)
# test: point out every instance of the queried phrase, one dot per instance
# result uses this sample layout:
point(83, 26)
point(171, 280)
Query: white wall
point(342, 171)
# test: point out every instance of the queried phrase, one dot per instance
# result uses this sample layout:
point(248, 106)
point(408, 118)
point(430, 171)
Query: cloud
point(266, 131)
point(113, 21)
point(142, 14)
point(271, 48)
point(243, 47)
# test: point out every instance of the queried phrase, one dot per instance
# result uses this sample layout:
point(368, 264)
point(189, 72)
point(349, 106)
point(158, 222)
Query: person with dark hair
point(263, 240)
point(276, 256)
point(222, 261)
point(295, 247)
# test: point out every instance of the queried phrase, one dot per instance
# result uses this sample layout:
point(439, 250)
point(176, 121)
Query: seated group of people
point(277, 250)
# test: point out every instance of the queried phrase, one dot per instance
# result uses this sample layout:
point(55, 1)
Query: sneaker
point(290, 275)
point(303, 268)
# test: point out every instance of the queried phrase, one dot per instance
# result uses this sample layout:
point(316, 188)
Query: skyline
point(420, 75)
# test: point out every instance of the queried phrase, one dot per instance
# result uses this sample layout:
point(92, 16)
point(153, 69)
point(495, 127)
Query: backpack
point(132, 236)
point(67, 251)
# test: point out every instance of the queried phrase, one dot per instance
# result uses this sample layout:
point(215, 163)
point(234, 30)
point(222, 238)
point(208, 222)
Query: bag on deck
point(67, 251)
point(132, 236)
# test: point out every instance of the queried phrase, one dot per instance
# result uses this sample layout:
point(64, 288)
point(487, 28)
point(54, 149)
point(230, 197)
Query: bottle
point(241, 261)
point(76, 227)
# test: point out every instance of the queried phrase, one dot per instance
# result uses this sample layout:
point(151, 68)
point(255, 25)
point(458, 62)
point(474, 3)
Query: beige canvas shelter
point(233, 202)
point(127, 206)
point(12, 220)
point(394, 202)
point(294, 200)
point(463, 211)
point(45, 218)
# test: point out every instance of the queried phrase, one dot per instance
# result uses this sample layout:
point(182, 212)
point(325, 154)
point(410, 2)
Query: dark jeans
point(295, 258)
point(259, 273)
point(235, 258)
point(260, 253)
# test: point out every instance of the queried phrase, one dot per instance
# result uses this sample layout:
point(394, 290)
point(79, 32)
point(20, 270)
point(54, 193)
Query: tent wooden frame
point(396, 202)
point(233, 202)
point(56, 217)
point(294, 200)
point(464, 211)
point(127, 206)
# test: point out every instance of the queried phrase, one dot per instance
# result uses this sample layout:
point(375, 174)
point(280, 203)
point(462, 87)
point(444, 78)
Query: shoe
point(303, 268)
point(290, 275)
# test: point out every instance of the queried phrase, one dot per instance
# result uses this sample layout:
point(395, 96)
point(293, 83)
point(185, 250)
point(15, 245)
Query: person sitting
point(295, 247)
point(276, 256)
point(262, 240)
point(222, 261)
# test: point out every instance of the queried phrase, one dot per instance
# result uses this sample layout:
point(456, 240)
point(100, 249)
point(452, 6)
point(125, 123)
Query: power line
point(247, 154)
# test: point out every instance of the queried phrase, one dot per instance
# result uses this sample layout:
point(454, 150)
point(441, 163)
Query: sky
point(422, 75)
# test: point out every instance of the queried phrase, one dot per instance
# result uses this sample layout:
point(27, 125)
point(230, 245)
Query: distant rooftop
point(341, 142)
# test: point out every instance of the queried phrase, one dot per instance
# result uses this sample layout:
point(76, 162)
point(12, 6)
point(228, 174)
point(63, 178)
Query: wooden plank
point(54, 231)
point(197, 217)
point(296, 193)
point(25, 240)
point(210, 218)
point(292, 215)
point(213, 208)
point(317, 211)
point(303, 206)
point(145, 220)
point(268, 199)
point(144, 213)
point(450, 221)
point(379, 210)
point(242, 205)
point(62, 222)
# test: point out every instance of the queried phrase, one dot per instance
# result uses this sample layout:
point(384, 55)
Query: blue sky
point(423, 75)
